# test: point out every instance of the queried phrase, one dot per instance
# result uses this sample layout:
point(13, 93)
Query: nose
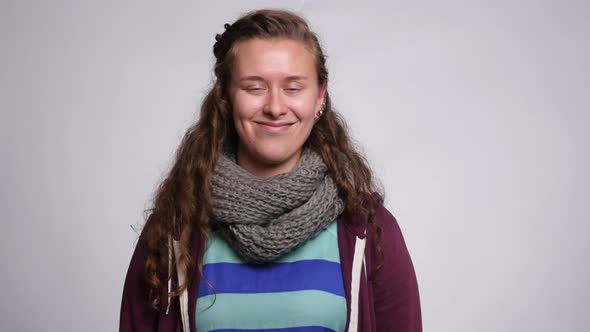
point(275, 105)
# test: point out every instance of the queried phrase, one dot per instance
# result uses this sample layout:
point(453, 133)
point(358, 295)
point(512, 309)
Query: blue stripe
point(313, 274)
point(289, 329)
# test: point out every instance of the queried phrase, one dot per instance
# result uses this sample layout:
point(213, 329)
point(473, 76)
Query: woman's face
point(275, 96)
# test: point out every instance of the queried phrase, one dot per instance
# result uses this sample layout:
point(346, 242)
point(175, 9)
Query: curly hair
point(183, 202)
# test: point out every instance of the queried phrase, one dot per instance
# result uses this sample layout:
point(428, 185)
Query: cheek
point(244, 107)
point(304, 107)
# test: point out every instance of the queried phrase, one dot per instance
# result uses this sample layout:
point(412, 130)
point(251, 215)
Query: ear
point(321, 96)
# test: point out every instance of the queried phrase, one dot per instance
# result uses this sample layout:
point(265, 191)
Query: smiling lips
point(274, 126)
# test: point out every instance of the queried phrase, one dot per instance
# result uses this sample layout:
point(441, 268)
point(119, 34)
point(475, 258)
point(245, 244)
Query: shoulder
point(386, 242)
point(382, 233)
point(391, 233)
point(136, 311)
point(385, 220)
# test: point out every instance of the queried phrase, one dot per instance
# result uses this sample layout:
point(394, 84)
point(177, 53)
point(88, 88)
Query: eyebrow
point(259, 78)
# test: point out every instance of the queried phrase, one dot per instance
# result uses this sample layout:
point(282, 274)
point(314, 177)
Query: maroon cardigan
point(388, 300)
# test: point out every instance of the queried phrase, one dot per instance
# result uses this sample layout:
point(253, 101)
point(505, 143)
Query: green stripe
point(218, 251)
point(250, 311)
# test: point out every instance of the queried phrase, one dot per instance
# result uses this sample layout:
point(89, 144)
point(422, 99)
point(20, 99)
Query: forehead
point(273, 58)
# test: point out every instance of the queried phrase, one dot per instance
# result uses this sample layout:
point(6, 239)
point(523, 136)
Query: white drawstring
point(184, 294)
point(358, 264)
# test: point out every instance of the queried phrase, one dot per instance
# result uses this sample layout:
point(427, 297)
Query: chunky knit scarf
point(265, 218)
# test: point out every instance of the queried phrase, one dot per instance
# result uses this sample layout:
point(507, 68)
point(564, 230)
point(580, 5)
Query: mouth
point(274, 126)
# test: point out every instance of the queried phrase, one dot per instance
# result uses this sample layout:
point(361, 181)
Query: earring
point(319, 113)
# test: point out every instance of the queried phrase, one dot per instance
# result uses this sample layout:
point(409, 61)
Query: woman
point(268, 220)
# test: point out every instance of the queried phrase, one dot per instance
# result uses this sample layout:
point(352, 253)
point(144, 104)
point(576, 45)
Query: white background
point(474, 115)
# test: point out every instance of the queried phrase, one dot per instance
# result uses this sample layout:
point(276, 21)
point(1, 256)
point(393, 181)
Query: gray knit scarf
point(265, 218)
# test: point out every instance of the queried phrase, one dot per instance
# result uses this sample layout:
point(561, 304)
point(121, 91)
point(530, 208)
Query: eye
point(292, 90)
point(255, 89)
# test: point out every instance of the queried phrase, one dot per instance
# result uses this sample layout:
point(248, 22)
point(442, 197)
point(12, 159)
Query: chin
point(274, 156)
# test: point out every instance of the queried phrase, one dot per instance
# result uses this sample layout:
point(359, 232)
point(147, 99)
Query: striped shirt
point(301, 292)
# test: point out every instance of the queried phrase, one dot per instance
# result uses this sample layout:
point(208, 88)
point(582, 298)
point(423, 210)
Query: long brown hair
point(183, 201)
